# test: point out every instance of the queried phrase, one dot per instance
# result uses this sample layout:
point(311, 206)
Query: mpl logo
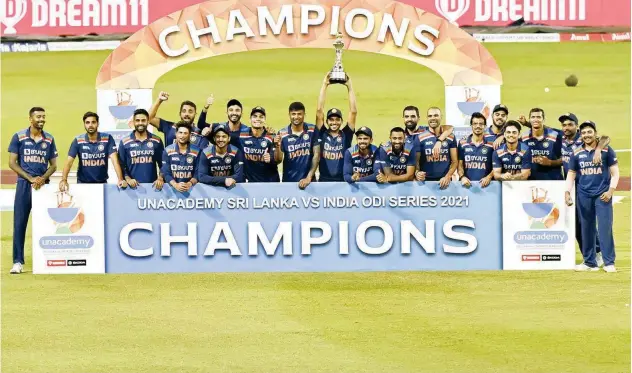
point(452, 10)
point(542, 212)
point(12, 12)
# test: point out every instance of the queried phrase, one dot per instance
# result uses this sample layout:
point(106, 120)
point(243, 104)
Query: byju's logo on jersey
point(12, 12)
point(452, 10)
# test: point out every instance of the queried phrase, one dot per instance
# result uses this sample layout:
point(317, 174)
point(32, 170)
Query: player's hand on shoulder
point(597, 158)
point(499, 141)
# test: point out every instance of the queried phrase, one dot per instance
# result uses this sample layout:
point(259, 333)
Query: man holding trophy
point(335, 138)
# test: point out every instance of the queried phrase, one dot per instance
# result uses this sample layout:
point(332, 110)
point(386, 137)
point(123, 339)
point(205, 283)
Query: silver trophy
point(338, 75)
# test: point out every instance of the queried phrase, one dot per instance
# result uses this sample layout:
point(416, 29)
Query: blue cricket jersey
point(550, 146)
point(33, 156)
point(214, 168)
point(298, 150)
point(234, 135)
point(198, 140)
point(169, 129)
point(434, 167)
point(332, 151)
point(141, 160)
point(364, 165)
point(253, 149)
point(592, 180)
point(398, 162)
point(93, 157)
point(568, 147)
point(489, 134)
point(477, 158)
point(512, 162)
point(181, 167)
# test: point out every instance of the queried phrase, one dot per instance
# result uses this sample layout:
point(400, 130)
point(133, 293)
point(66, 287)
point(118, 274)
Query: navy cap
point(569, 116)
point(333, 112)
point(364, 130)
point(223, 127)
point(588, 123)
point(258, 109)
point(501, 107)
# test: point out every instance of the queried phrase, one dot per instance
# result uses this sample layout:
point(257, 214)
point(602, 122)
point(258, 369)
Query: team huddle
point(231, 152)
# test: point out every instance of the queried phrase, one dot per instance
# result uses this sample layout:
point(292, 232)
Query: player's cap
point(364, 131)
point(569, 116)
point(501, 107)
point(258, 109)
point(588, 123)
point(220, 127)
point(333, 112)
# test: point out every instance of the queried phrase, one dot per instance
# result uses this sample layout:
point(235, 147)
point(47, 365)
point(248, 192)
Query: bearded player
point(33, 156)
point(512, 161)
point(499, 118)
point(475, 154)
point(396, 159)
point(335, 138)
point(234, 111)
point(595, 186)
point(95, 149)
point(257, 145)
point(180, 160)
point(437, 160)
point(221, 164)
point(188, 111)
point(360, 163)
point(413, 129)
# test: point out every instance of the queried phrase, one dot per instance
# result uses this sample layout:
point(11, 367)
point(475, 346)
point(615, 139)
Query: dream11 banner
point(82, 17)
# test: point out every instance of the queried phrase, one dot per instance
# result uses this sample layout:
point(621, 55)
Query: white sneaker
point(584, 268)
point(599, 260)
point(17, 268)
point(610, 268)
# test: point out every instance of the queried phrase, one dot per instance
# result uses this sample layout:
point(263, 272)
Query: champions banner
point(250, 228)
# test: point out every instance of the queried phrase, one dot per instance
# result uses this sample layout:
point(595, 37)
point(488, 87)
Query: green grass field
point(359, 322)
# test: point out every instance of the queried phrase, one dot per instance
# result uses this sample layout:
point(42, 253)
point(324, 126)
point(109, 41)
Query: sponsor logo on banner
point(56, 263)
point(452, 10)
point(549, 258)
point(77, 262)
point(531, 258)
point(622, 36)
point(474, 103)
point(23, 47)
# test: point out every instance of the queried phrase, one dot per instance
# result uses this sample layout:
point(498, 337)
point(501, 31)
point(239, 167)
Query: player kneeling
point(221, 164)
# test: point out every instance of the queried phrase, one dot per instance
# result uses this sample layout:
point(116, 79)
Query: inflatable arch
point(216, 27)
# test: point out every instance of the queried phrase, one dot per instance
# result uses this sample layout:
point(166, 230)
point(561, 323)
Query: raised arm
point(320, 106)
point(153, 110)
point(353, 105)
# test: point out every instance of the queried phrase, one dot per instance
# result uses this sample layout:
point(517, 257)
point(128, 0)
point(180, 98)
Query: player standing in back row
point(33, 156)
point(437, 160)
point(334, 140)
point(546, 148)
point(476, 153)
point(298, 147)
point(257, 145)
point(595, 186)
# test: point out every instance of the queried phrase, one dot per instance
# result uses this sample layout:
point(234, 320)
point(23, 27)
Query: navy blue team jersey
point(93, 157)
point(33, 156)
point(512, 162)
point(398, 162)
point(332, 150)
point(181, 167)
point(592, 179)
point(214, 168)
point(298, 150)
point(141, 160)
point(434, 167)
point(365, 165)
point(550, 146)
point(477, 159)
point(489, 134)
point(568, 147)
point(254, 149)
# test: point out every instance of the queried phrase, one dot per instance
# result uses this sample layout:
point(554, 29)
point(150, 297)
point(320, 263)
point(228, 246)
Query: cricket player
point(221, 164)
point(413, 129)
point(257, 145)
point(396, 159)
point(188, 111)
point(335, 139)
point(572, 140)
point(499, 118)
point(298, 147)
point(234, 110)
point(546, 148)
point(476, 153)
point(33, 156)
point(595, 186)
point(360, 160)
point(94, 149)
point(141, 154)
point(512, 161)
point(437, 160)
point(180, 160)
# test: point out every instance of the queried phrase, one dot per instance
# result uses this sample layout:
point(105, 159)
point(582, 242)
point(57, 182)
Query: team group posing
point(228, 153)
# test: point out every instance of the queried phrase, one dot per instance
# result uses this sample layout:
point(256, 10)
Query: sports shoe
point(584, 268)
point(17, 268)
point(599, 260)
point(610, 268)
